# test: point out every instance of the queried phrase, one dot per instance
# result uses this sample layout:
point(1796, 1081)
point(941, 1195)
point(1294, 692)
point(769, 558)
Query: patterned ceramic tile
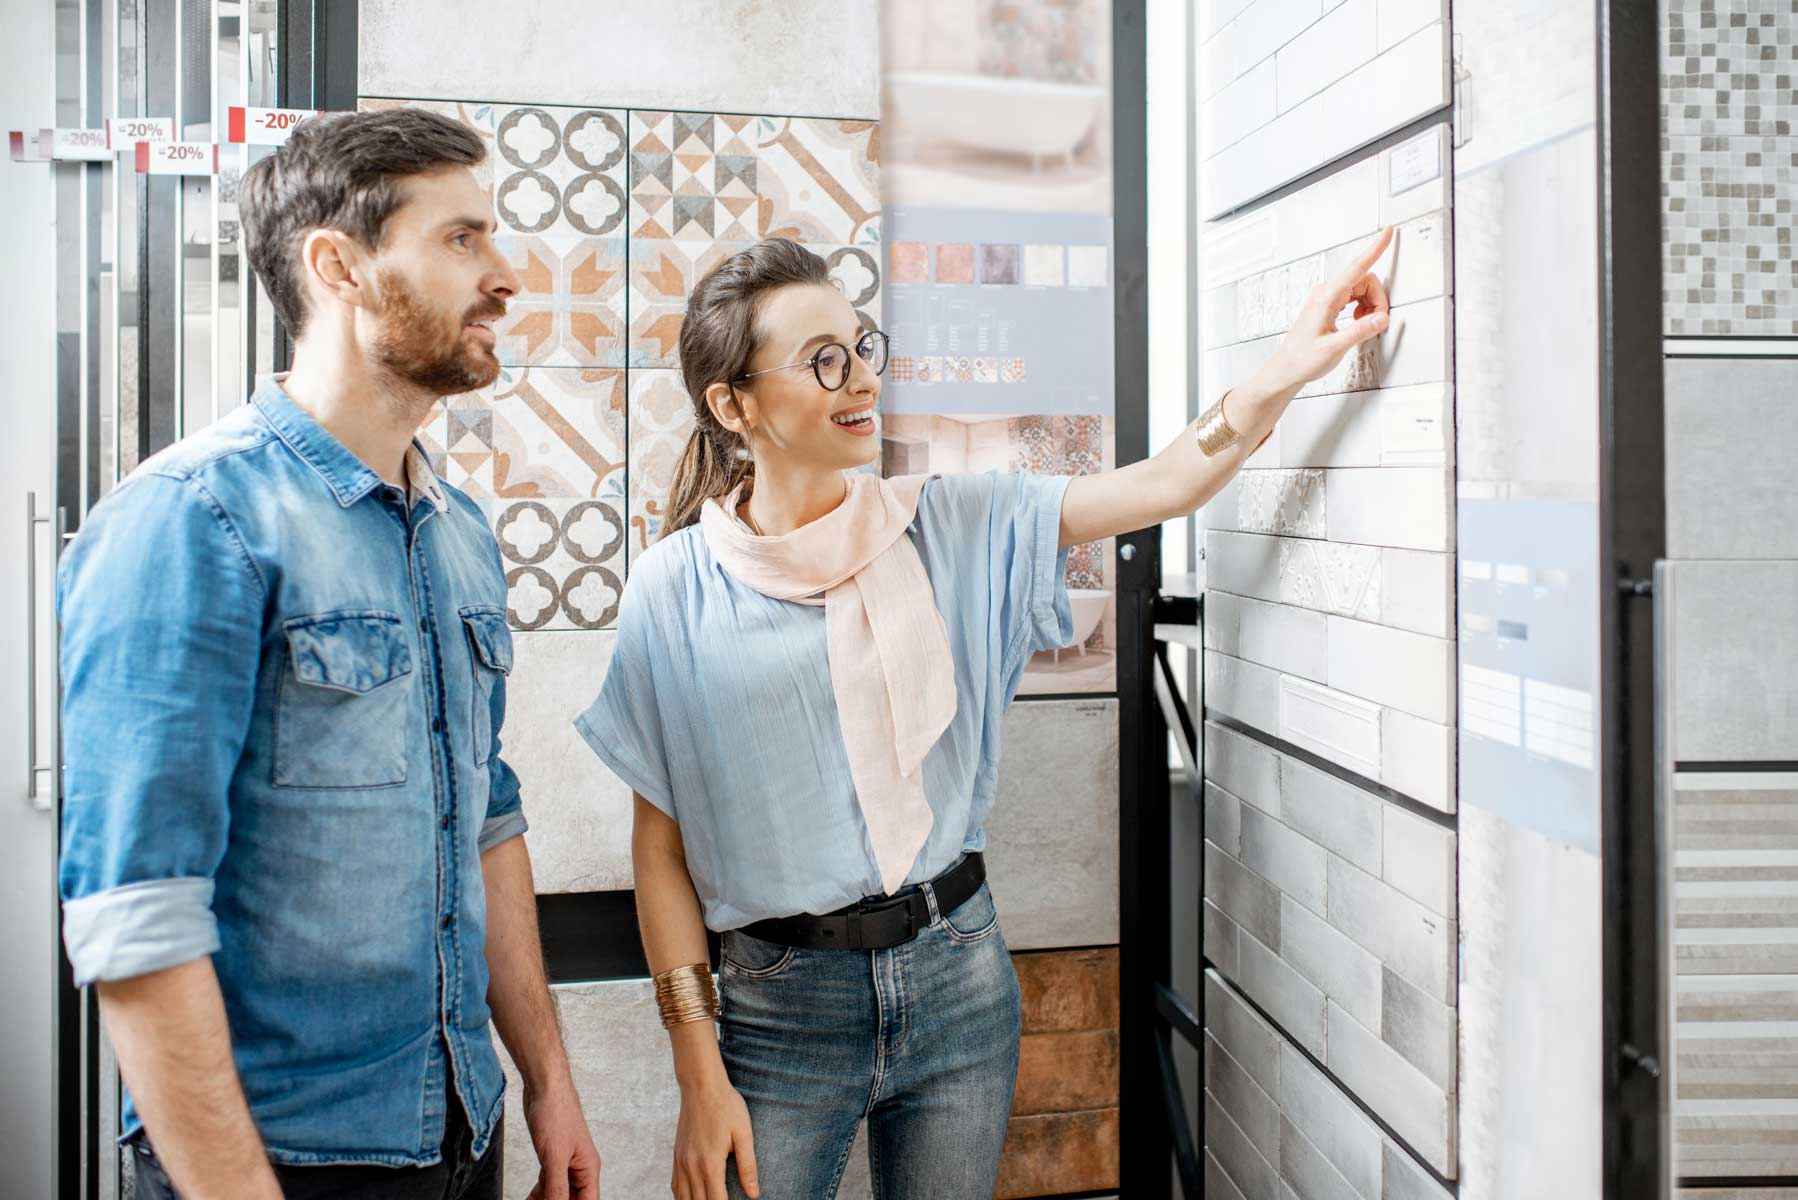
point(1284, 502)
point(557, 178)
point(661, 420)
point(564, 561)
point(537, 432)
point(1729, 171)
point(711, 177)
point(1055, 40)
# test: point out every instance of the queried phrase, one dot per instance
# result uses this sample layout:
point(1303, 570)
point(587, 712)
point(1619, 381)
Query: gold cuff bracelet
point(686, 994)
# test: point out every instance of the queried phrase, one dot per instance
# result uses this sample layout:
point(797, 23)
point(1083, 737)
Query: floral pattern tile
point(1284, 502)
point(564, 561)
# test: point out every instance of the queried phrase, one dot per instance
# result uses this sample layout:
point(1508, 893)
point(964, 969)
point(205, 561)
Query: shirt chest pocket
point(342, 702)
point(490, 652)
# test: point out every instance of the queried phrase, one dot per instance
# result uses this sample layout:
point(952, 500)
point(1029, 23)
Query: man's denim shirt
point(283, 688)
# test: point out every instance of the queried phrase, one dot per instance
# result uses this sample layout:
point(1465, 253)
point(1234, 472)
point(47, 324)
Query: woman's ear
point(726, 403)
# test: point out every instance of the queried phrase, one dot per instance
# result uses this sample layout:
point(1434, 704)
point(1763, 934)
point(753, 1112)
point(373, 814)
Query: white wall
point(806, 58)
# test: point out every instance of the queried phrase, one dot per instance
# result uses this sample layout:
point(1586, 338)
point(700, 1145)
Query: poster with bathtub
point(996, 193)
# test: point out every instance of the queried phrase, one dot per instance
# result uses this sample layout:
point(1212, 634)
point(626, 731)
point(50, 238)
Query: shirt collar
point(348, 477)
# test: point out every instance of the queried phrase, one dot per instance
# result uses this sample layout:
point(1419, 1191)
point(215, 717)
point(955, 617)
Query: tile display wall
point(1329, 920)
point(610, 216)
point(1289, 85)
point(1729, 171)
point(1277, 1126)
point(1330, 556)
point(1334, 911)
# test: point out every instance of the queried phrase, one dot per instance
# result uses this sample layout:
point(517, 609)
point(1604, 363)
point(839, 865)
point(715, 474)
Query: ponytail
point(717, 340)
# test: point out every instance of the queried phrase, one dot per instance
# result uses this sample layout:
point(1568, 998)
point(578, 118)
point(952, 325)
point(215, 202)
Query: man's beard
point(414, 344)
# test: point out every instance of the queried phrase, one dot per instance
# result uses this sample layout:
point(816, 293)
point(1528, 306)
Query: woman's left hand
point(1315, 344)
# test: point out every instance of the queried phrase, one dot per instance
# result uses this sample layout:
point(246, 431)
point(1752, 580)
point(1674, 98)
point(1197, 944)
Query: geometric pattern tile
point(661, 421)
point(564, 561)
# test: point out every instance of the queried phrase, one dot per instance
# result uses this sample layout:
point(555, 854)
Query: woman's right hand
point(714, 1124)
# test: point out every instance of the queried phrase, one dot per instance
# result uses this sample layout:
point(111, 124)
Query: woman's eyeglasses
point(831, 363)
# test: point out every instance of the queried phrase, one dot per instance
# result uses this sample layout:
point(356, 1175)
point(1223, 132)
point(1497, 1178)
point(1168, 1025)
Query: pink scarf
point(890, 666)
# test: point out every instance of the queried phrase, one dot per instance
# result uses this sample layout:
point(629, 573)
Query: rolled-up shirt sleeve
point(505, 802)
point(161, 610)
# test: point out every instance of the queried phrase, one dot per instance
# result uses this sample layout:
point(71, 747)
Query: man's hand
point(568, 1161)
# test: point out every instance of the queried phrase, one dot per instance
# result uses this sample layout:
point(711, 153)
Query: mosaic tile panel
point(661, 421)
point(1729, 167)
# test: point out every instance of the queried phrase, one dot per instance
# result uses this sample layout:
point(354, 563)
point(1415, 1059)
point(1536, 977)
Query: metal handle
point(42, 798)
point(1666, 758)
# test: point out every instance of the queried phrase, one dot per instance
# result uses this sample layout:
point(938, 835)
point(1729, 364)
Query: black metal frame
point(1632, 536)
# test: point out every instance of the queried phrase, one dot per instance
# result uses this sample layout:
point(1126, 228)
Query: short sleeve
point(1015, 519)
point(161, 612)
point(623, 725)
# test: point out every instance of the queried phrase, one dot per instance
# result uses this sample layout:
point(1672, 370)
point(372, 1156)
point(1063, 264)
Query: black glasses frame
point(864, 349)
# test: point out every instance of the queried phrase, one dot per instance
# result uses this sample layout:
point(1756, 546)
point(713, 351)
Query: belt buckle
point(902, 902)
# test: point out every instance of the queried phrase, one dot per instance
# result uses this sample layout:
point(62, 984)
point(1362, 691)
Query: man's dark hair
point(339, 171)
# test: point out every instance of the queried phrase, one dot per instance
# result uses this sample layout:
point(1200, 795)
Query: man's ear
point(335, 265)
point(727, 406)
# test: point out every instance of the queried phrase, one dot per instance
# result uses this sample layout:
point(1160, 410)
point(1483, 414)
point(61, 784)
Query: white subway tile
point(1219, 935)
point(1416, 427)
point(1340, 727)
point(1399, 19)
point(1421, 1029)
point(1254, 1111)
point(1409, 508)
point(1266, 25)
point(1243, 767)
point(1243, 896)
point(1280, 636)
point(1403, 934)
point(1306, 1173)
point(1236, 1152)
point(1330, 1119)
point(1419, 859)
point(1237, 111)
point(1417, 591)
point(1325, 52)
point(1418, 759)
point(1250, 1040)
point(1290, 999)
point(1333, 812)
point(1243, 690)
point(1223, 819)
point(1407, 671)
point(1418, 1111)
point(1326, 956)
point(1292, 863)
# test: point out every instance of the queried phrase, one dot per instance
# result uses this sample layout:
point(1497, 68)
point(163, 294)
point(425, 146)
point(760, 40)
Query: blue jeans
point(921, 1039)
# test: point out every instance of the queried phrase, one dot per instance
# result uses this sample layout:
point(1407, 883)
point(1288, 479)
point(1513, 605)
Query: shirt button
point(446, 920)
point(437, 725)
point(446, 821)
point(424, 626)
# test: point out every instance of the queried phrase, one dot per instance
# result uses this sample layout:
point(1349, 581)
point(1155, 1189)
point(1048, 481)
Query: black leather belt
point(876, 924)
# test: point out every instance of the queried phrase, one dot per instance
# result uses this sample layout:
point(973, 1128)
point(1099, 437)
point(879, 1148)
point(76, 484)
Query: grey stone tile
point(1332, 812)
point(1288, 997)
point(1240, 1030)
point(1253, 1110)
point(1735, 661)
point(1331, 1121)
point(1244, 691)
point(1320, 952)
point(1419, 860)
point(1218, 1184)
point(1253, 1175)
point(579, 812)
point(1730, 496)
point(1422, 1030)
point(1403, 934)
point(1290, 862)
point(1243, 767)
point(1245, 897)
point(1417, 1110)
point(1051, 841)
point(1220, 934)
point(1307, 1171)
point(1223, 818)
point(1405, 1180)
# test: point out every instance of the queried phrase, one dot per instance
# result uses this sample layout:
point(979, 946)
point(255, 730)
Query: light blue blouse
point(717, 706)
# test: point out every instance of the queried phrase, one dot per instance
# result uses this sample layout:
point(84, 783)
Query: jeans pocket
point(342, 702)
point(490, 653)
point(749, 957)
point(975, 919)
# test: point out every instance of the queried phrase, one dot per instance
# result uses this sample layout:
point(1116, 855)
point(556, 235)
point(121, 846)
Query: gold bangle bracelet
point(1214, 433)
point(686, 994)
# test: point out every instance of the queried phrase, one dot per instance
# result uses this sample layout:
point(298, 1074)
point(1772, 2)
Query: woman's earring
point(743, 454)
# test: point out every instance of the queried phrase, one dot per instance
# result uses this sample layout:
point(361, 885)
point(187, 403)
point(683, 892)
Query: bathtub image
point(1089, 609)
point(1025, 117)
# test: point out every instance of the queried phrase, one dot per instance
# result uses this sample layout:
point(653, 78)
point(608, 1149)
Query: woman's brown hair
point(717, 340)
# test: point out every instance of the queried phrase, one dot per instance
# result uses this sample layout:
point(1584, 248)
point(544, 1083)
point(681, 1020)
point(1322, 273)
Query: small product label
point(86, 145)
point(177, 158)
point(1416, 161)
point(266, 126)
point(123, 132)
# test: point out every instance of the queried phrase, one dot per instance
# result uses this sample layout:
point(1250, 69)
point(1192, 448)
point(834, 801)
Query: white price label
point(124, 132)
point(1416, 161)
point(177, 158)
point(266, 126)
point(88, 145)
